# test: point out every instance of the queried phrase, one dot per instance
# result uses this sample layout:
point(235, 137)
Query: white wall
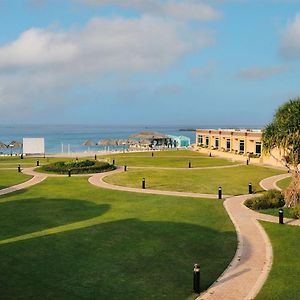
point(33, 145)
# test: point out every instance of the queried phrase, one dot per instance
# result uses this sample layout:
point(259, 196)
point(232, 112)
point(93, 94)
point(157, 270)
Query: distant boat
point(187, 129)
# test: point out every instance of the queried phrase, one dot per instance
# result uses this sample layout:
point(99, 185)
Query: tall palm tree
point(283, 133)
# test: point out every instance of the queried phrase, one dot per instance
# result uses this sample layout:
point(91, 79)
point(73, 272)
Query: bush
point(270, 199)
point(78, 167)
point(296, 212)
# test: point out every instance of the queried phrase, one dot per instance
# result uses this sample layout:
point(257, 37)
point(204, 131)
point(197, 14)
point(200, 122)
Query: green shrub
point(78, 167)
point(296, 212)
point(270, 199)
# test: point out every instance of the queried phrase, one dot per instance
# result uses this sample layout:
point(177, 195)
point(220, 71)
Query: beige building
point(236, 144)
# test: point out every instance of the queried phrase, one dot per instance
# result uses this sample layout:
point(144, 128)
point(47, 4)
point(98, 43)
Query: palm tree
point(283, 133)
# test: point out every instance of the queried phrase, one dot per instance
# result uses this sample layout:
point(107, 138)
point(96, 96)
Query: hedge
point(78, 167)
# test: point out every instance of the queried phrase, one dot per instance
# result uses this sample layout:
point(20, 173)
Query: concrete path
point(250, 267)
point(252, 263)
point(97, 180)
point(270, 182)
point(186, 168)
point(33, 181)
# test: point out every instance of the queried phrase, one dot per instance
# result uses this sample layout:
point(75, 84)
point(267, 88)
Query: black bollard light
point(190, 164)
point(152, 154)
point(22, 156)
point(143, 183)
point(113, 162)
point(280, 214)
point(220, 193)
point(209, 154)
point(250, 188)
point(95, 157)
point(125, 168)
point(19, 168)
point(37, 163)
point(69, 172)
point(247, 162)
point(196, 279)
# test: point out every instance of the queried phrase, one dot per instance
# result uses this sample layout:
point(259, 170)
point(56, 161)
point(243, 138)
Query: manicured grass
point(284, 183)
point(173, 159)
point(283, 281)
point(14, 161)
point(274, 212)
point(11, 177)
point(66, 239)
point(234, 181)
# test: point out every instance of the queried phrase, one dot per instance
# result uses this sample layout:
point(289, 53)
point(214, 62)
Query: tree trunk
point(292, 193)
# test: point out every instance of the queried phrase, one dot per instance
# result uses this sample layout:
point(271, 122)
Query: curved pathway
point(252, 262)
point(270, 182)
point(33, 181)
point(97, 180)
point(186, 168)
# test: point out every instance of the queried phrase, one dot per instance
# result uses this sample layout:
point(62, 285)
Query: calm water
point(58, 136)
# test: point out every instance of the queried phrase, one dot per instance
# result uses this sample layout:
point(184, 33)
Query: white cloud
point(41, 65)
point(184, 9)
point(263, 72)
point(290, 41)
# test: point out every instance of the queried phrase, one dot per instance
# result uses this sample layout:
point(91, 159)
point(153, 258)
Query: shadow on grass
point(128, 259)
point(30, 215)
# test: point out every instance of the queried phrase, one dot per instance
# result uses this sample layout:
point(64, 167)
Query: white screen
point(33, 145)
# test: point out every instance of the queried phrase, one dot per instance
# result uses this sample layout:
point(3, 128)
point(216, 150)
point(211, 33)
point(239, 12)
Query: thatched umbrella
point(2, 145)
point(148, 135)
point(88, 143)
point(14, 144)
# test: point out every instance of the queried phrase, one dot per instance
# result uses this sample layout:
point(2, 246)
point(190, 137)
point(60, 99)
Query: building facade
point(237, 144)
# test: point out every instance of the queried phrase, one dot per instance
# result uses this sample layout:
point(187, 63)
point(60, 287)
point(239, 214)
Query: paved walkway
point(97, 179)
point(270, 182)
point(250, 267)
point(33, 181)
point(186, 168)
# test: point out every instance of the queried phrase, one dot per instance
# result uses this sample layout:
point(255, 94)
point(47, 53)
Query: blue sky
point(149, 62)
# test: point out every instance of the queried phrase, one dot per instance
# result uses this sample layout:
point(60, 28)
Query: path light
point(143, 183)
point(37, 163)
point(250, 188)
point(280, 214)
point(19, 168)
point(95, 157)
point(190, 164)
point(125, 168)
point(196, 278)
point(152, 154)
point(69, 172)
point(113, 162)
point(220, 193)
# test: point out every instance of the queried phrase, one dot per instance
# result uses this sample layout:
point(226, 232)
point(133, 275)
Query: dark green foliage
point(296, 212)
point(78, 167)
point(270, 199)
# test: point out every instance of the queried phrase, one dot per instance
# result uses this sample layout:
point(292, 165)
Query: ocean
point(60, 138)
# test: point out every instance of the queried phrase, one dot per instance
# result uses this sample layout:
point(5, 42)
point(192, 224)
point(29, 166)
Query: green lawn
point(14, 161)
point(11, 177)
point(287, 212)
point(283, 281)
point(66, 239)
point(174, 159)
point(233, 180)
point(284, 183)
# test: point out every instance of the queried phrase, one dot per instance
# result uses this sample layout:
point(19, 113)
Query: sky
point(149, 62)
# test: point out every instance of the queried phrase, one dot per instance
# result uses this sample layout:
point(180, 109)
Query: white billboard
point(33, 145)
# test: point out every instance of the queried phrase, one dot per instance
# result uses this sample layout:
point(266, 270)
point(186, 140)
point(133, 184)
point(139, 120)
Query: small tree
point(283, 133)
